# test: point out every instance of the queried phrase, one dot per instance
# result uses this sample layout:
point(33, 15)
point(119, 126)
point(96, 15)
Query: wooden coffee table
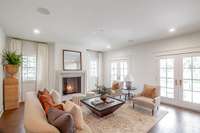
point(103, 109)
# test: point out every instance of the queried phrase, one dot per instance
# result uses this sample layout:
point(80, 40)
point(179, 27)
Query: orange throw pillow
point(44, 92)
point(149, 91)
point(47, 103)
point(116, 86)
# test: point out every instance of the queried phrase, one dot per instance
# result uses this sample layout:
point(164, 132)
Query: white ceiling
point(97, 23)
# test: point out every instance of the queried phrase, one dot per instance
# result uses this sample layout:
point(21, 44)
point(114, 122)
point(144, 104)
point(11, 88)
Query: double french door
point(119, 70)
point(180, 79)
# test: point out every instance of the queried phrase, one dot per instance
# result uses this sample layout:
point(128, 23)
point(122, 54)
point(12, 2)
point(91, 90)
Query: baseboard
point(1, 111)
point(182, 106)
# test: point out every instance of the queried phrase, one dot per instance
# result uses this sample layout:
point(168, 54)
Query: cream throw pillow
point(56, 96)
point(76, 112)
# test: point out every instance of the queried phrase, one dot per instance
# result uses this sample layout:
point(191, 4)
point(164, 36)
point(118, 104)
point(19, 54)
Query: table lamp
point(128, 80)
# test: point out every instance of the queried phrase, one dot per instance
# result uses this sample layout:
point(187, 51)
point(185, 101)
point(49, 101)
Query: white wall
point(2, 46)
point(143, 64)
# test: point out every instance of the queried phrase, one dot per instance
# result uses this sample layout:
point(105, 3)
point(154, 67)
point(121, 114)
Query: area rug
point(124, 120)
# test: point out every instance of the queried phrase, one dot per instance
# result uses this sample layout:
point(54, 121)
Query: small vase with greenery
point(11, 61)
point(103, 91)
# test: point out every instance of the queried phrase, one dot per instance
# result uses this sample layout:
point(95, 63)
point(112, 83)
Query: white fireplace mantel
point(65, 74)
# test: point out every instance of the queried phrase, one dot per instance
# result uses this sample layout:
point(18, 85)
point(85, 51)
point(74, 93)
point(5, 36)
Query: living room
point(100, 66)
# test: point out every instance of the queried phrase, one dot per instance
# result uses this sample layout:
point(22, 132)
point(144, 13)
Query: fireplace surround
point(70, 74)
point(71, 85)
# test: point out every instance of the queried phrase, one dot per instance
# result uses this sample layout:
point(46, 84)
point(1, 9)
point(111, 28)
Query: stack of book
point(97, 102)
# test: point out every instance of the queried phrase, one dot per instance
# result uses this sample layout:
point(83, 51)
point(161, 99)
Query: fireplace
point(71, 85)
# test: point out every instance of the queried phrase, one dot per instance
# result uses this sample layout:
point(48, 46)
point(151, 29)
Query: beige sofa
point(151, 103)
point(35, 120)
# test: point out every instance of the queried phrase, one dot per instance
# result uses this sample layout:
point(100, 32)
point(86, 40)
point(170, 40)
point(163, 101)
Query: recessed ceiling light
point(36, 31)
point(130, 41)
point(43, 11)
point(108, 46)
point(172, 30)
point(100, 30)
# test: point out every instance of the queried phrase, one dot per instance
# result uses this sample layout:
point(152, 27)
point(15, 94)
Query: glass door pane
point(191, 79)
point(167, 77)
point(113, 71)
point(119, 70)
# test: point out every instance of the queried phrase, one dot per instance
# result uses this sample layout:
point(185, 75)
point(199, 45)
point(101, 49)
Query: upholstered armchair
point(116, 89)
point(149, 98)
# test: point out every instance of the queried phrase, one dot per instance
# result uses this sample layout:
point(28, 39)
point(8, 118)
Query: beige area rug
point(124, 120)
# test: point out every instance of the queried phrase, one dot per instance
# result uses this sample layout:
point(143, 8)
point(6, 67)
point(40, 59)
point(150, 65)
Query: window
point(119, 70)
point(167, 77)
point(29, 68)
point(123, 70)
point(93, 68)
point(113, 71)
point(191, 79)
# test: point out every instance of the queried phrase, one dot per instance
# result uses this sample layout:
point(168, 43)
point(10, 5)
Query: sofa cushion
point(149, 91)
point(76, 112)
point(144, 101)
point(62, 120)
point(35, 120)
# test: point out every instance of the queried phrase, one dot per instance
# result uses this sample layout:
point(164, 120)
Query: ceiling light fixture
point(130, 41)
point(36, 31)
point(108, 46)
point(172, 30)
point(43, 11)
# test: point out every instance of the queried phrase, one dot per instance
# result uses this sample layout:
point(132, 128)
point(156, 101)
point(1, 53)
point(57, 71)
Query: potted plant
point(104, 93)
point(11, 61)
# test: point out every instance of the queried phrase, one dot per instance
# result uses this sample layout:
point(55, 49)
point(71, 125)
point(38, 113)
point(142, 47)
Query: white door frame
point(178, 93)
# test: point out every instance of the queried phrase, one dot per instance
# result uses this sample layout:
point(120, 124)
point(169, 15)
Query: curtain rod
point(178, 53)
point(26, 40)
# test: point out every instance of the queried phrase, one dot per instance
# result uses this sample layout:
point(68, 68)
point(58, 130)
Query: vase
point(104, 97)
point(11, 69)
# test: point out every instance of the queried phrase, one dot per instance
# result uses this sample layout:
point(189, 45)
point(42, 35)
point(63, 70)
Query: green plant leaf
point(11, 58)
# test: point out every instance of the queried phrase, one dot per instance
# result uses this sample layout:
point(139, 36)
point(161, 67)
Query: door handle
point(180, 81)
point(176, 82)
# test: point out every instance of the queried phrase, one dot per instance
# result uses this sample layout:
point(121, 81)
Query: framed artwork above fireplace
point(72, 60)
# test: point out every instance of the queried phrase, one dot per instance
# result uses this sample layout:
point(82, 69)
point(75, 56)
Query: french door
point(119, 70)
point(180, 79)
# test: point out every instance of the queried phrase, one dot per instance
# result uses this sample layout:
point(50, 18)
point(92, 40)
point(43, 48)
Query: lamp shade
point(129, 78)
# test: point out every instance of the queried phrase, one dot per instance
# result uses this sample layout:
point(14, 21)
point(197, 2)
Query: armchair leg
point(152, 112)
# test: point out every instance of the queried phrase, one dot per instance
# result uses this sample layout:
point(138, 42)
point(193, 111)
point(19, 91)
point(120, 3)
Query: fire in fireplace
point(71, 85)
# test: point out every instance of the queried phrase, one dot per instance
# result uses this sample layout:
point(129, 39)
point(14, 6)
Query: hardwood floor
point(177, 120)
point(12, 121)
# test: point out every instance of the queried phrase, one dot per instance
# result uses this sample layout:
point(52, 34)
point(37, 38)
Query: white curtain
point(100, 68)
point(94, 67)
point(42, 66)
point(29, 50)
point(16, 45)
